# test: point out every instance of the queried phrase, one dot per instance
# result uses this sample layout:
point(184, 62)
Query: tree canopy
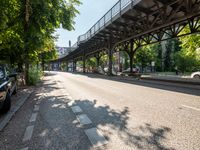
point(27, 27)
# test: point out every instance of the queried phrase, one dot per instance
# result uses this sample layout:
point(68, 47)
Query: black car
point(8, 86)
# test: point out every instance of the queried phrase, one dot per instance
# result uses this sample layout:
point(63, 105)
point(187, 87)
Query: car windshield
point(1, 73)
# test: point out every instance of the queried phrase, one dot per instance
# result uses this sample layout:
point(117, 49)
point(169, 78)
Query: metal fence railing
point(108, 17)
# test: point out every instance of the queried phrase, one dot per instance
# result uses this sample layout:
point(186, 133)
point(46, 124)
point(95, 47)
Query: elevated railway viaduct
point(131, 24)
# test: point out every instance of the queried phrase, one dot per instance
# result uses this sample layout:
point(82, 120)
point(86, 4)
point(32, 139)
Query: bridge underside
point(140, 23)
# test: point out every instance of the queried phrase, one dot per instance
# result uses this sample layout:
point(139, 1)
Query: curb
point(12, 112)
point(191, 82)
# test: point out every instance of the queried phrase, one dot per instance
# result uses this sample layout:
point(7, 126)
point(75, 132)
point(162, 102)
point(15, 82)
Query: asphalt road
point(83, 112)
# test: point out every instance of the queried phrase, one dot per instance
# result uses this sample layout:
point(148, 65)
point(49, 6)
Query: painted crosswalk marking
point(28, 133)
point(33, 117)
point(36, 108)
point(95, 137)
point(83, 119)
point(76, 109)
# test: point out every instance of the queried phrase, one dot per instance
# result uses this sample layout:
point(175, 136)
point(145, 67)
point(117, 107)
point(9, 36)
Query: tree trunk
point(84, 65)
point(98, 62)
point(26, 18)
point(131, 62)
point(20, 67)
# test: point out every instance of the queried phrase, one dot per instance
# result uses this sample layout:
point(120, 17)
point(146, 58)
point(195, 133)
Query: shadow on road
point(113, 123)
point(174, 87)
point(141, 137)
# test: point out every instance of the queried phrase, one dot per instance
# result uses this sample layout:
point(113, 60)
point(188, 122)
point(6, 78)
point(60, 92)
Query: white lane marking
point(76, 109)
point(71, 103)
point(33, 117)
point(36, 108)
point(95, 137)
point(26, 148)
point(28, 133)
point(83, 119)
point(194, 108)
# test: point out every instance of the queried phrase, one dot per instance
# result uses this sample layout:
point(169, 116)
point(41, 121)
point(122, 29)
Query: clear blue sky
point(90, 12)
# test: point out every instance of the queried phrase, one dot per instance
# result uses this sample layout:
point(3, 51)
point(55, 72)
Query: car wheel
point(197, 76)
point(7, 104)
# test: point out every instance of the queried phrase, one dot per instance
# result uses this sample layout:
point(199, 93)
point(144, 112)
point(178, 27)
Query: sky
point(90, 12)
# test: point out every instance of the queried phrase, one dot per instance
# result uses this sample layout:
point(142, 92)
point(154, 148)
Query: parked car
point(8, 86)
point(196, 75)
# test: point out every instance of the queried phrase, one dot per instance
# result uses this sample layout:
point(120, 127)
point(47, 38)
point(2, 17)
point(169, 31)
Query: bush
point(35, 75)
point(187, 61)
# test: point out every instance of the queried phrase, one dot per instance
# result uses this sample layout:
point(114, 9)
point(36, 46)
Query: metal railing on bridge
point(109, 17)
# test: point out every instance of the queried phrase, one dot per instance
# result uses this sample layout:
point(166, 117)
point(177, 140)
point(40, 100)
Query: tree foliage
point(27, 27)
point(188, 59)
point(144, 56)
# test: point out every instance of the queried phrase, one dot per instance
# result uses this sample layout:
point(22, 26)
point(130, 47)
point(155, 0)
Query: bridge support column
point(131, 54)
point(74, 65)
point(84, 64)
point(110, 53)
point(67, 68)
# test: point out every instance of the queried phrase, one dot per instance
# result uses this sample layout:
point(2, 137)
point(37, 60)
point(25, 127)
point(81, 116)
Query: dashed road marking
point(76, 109)
point(26, 148)
point(28, 133)
point(83, 119)
point(36, 108)
point(33, 117)
point(194, 108)
point(95, 137)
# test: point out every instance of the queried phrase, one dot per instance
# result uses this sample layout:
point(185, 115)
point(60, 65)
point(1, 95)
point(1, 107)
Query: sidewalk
point(17, 102)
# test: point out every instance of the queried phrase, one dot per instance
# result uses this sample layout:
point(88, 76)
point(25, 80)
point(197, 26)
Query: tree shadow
point(144, 136)
point(141, 137)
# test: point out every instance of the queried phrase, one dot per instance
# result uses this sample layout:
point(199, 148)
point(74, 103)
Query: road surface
point(86, 112)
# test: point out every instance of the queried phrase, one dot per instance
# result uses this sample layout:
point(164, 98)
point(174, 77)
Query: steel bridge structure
point(131, 24)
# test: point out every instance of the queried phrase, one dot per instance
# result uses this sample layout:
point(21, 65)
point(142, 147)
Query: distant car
point(8, 86)
point(195, 75)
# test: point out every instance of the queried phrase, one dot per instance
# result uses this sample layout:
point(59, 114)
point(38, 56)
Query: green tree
point(144, 56)
point(172, 46)
point(188, 59)
point(26, 26)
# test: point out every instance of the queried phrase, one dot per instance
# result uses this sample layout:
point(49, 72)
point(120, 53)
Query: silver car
point(195, 75)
